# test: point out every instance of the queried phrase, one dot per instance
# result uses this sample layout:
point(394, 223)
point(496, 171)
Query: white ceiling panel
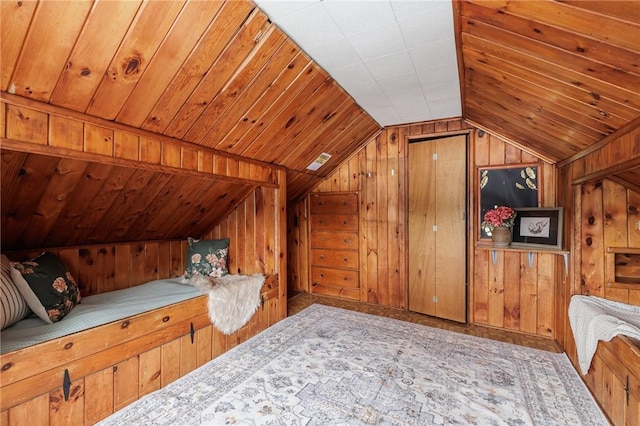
point(399, 84)
point(390, 66)
point(337, 54)
point(406, 8)
point(396, 58)
point(354, 17)
point(312, 26)
point(376, 42)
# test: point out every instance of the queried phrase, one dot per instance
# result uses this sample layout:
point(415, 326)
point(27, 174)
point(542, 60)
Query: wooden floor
point(298, 302)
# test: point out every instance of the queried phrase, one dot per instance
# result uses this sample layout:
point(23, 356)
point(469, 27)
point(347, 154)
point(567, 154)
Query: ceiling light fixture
point(320, 161)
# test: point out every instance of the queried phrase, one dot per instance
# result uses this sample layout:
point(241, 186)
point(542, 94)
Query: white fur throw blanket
point(233, 299)
point(593, 318)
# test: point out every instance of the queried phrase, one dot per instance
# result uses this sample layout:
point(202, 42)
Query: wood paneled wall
point(510, 294)
point(600, 213)
point(599, 190)
point(258, 226)
point(517, 291)
point(378, 173)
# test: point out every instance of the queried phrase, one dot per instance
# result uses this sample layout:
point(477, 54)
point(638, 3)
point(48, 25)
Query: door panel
point(437, 227)
point(451, 236)
point(421, 236)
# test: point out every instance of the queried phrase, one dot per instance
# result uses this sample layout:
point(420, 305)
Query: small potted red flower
point(497, 223)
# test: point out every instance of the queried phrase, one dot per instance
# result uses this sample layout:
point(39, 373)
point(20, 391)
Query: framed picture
point(514, 186)
point(538, 227)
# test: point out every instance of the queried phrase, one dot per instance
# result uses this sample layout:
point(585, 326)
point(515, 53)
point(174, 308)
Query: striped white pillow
point(14, 306)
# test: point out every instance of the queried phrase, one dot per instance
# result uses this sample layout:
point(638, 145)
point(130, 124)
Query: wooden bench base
point(110, 366)
point(614, 380)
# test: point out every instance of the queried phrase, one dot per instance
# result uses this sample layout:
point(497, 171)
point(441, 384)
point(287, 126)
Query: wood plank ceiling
point(555, 77)
point(218, 74)
point(105, 202)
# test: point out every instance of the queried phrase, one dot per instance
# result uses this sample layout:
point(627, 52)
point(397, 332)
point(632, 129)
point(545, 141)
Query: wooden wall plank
point(188, 355)
point(63, 412)
point(125, 383)
point(512, 286)
point(20, 16)
point(204, 343)
point(35, 411)
point(37, 71)
point(231, 58)
point(67, 174)
point(480, 302)
point(528, 294)
point(263, 50)
point(217, 34)
point(55, 128)
point(66, 133)
point(26, 124)
point(286, 58)
point(592, 252)
point(141, 41)
point(496, 291)
point(98, 140)
point(31, 186)
point(79, 81)
point(396, 293)
point(174, 50)
point(98, 402)
point(546, 290)
point(170, 367)
point(150, 370)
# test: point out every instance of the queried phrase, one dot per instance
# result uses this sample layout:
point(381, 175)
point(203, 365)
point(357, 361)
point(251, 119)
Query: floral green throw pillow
point(207, 257)
point(47, 285)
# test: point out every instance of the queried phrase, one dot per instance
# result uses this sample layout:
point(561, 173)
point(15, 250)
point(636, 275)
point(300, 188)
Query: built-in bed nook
point(158, 325)
point(163, 330)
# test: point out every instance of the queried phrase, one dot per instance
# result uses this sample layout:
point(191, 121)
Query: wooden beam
point(632, 125)
point(65, 113)
point(620, 167)
point(34, 148)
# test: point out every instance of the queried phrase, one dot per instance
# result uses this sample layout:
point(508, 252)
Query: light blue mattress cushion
point(97, 310)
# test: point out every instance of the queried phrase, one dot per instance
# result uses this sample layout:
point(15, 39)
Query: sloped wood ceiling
point(554, 76)
point(214, 73)
point(105, 202)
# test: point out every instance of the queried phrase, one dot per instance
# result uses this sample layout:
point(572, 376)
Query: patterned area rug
point(329, 366)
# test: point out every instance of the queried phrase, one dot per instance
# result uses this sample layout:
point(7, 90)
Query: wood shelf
point(520, 248)
point(523, 248)
point(623, 267)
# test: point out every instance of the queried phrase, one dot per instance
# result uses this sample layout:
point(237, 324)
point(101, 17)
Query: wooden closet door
point(422, 218)
point(437, 227)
